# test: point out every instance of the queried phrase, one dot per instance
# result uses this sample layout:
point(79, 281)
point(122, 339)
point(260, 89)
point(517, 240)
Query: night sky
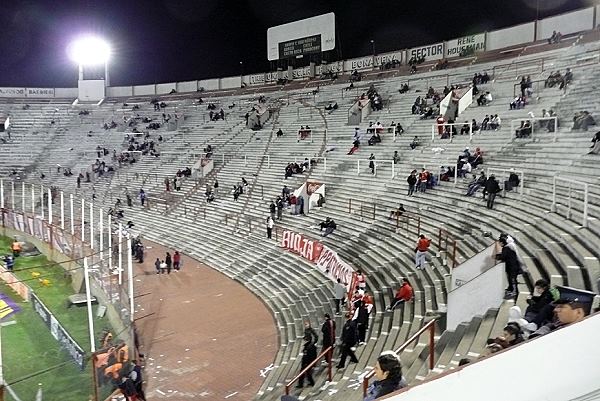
point(176, 40)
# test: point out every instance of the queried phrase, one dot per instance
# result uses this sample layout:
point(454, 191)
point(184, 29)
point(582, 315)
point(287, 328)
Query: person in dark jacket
point(388, 376)
point(349, 339)
point(136, 377)
point(540, 304)
point(361, 317)
point(309, 354)
point(328, 330)
point(308, 330)
point(412, 182)
point(491, 189)
point(169, 262)
point(511, 267)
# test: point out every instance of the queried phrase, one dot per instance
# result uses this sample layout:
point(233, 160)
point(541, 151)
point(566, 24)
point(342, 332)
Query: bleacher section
point(230, 236)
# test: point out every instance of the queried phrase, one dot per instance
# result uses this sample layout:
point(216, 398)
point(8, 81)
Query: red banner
point(307, 248)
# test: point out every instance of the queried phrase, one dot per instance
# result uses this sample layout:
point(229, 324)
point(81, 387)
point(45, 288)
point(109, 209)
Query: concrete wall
point(120, 91)
point(66, 92)
point(231, 83)
point(91, 90)
point(144, 90)
point(506, 37)
point(575, 21)
point(163, 89)
point(187, 86)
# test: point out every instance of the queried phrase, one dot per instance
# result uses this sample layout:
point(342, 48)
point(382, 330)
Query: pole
point(41, 200)
point(82, 220)
point(62, 210)
point(89, 304)
point(33, 200)
point(12, 194)
point(23, 196)
point(49, 206)
point(101, 231)
point(358, 167)
point(431, 346)
point(120, 261)
point(585, 205)
point(553, 206)
point(71, 219)
point(2, 196)
point(130, 274)
point(92, 225)
point(110, 250)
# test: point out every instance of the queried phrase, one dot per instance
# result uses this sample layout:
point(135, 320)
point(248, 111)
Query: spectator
point(361, 316)
point(328, 331)
point(176, 261)
point(412, 182)
point(595, 144)
point(512, 267)
point(372, 163)
point(491, 189)
point(309, 354)
point(349, 338)
point(495, 122)
point(466, 169)
point(518, 102)
point(572, 307)
point(476, 184)
point(524, 131)
point(339, 291)
point(512, 335)
point(568, 77)
point(423, 179)
point(396, 157)
point(512, 182)
point(582, 120)
point(403, 294)
point(415, 142)
point(553, 79)
point(388, 376)
point(421, 251)
point(270, 225)
point(397, 213)
point(9, 262)
point(484, 99)
point(555, 38)
point(540, 306)
point(361, 280)
point(328, 225)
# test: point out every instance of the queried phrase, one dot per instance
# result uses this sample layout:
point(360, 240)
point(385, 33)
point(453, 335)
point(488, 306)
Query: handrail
point(328, 350)
point(537, 81)
point(428, 326)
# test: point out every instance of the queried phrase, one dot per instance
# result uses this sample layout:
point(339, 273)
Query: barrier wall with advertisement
point(514, 35)
point(324, 258)
point(430, 52)
point(476, 43)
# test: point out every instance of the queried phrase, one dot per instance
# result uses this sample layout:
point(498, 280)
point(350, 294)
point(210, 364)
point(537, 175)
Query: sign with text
point(299, 47)
point(430, 52)
point(300, 245)
point(334, 267)
point(58, 332)
point(27, 92)
point(475, 43)
point(367, 62)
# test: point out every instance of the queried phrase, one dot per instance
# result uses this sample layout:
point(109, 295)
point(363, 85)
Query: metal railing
point(535, 128)
point(428, 326)
point(449, 240)
point(325, 353)
point(581, 186)
point(521, 173)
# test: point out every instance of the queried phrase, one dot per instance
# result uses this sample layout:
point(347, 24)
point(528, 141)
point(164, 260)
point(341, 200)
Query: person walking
point(372, 163)
point(511, 267)
point(328, 330)
point(272, 209)
point(142, 196)
point(339, 291)
point(169, 262)
point(349, 338)
point(361, 316)
point(157, 265)
point(491, 188)
point(270, 224)
point(421, 251)
point(309, 354)
point(279, 208)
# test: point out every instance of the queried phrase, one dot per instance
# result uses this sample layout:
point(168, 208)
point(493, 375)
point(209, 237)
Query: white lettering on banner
point(12, 92)
point(334, 67)
point(367, 62)
point(301, 245)
point(40, 92)
point(456, 46)
point(431, 52)
point(334, 267)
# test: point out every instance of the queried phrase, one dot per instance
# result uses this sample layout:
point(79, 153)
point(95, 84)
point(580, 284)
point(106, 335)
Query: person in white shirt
point(466, 168)
point(488, 97)
point(270, 225)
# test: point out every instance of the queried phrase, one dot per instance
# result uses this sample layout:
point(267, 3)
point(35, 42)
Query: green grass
point(28, 347)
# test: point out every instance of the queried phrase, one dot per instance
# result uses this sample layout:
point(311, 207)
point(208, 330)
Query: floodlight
point(89, 51)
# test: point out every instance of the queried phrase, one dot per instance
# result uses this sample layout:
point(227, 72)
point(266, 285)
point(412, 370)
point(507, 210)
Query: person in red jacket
point(403, 294)
point(176, 261)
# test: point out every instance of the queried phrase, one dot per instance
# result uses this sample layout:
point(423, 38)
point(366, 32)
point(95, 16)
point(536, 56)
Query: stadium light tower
point(90, 51)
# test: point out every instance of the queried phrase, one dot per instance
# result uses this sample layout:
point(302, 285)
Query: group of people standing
point(169, 262)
